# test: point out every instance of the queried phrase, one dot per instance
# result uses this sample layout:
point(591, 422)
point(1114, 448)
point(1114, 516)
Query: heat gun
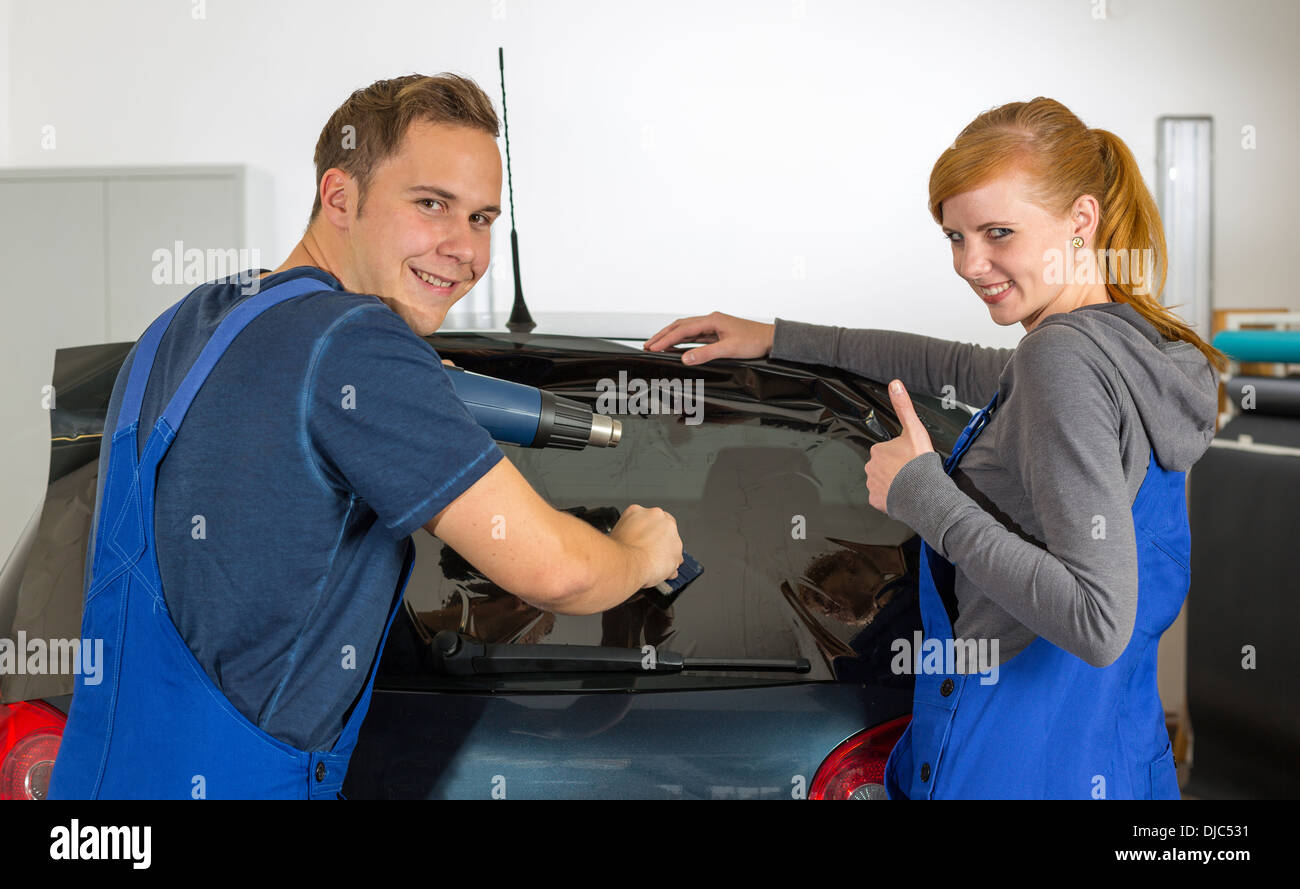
point(534, 418)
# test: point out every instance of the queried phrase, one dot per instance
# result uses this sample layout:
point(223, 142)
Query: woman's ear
point(1085, 215)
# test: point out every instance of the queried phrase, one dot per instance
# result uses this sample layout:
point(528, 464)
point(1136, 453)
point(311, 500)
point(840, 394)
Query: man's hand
point(448, 362)
point(550, 559)
point(654, 533)
point(890, 456)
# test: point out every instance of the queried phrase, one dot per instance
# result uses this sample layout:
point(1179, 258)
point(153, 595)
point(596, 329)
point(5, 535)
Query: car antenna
point(520, 321)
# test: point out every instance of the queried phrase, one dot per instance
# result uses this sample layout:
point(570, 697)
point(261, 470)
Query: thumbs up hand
point(890, 456)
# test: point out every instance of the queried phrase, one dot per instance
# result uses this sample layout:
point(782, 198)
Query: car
point(770, 676)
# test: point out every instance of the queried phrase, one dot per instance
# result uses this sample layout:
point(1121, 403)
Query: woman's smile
point(995, 293)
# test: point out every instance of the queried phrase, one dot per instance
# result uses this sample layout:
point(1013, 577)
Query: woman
point(1056, 532)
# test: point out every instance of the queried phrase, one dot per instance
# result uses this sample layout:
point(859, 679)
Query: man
point(243, 597)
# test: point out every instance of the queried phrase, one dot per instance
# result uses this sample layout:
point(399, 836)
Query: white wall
point(6, 31)
point(686, 156)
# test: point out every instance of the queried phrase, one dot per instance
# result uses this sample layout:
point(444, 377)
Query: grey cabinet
point(82, 252)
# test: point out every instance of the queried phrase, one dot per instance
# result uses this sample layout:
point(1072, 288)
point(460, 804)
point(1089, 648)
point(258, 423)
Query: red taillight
point(856, 768)
point(30, 732)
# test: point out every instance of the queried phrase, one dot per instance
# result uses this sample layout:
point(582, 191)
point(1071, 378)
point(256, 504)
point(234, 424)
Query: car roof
point(599, 325)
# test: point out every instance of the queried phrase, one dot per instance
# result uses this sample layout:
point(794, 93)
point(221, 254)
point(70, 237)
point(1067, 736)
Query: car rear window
point(769, 496)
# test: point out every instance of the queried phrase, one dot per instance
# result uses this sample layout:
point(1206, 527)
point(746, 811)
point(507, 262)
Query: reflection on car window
point(796, 562)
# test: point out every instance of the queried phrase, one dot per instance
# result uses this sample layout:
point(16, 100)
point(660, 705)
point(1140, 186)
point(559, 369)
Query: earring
point(1078, 242)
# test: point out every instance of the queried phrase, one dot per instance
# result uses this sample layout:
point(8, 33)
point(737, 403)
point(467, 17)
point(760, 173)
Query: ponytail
point(1130, 233)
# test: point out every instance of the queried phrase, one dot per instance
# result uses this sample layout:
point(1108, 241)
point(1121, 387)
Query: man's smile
point(433, 282)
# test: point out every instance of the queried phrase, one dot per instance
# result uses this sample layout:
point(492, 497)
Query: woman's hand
point(727, 336)
point(890, 456)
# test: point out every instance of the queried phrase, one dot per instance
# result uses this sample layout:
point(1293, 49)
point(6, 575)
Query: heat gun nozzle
point(605, 431)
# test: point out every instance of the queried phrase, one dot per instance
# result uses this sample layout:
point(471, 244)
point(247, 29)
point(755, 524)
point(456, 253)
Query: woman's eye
point(954, 237)
point(1000, 237)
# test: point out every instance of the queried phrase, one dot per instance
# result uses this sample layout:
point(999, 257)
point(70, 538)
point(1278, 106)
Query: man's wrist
point(636, 562)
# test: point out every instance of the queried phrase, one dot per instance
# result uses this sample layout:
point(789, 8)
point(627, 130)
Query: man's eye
point(480, 219)
point(428, 201)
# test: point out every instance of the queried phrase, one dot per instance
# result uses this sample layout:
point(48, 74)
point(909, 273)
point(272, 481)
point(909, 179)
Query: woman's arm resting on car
point(925, 364)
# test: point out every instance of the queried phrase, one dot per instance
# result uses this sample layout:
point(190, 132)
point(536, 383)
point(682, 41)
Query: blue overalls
point(1052, 726)
point(156, 726)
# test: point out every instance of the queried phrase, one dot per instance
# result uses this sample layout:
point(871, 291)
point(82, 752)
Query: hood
point(1171, 382)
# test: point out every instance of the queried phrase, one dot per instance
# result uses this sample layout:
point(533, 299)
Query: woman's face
point(1013, 252)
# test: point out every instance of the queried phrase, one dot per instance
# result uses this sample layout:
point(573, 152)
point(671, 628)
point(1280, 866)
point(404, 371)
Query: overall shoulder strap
point(968, 435)
point(230, 327)
point(141, 364)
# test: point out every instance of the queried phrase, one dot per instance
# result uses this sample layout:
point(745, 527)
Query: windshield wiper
point(459, 655)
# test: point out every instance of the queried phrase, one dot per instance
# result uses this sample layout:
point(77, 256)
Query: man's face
point(422, 238)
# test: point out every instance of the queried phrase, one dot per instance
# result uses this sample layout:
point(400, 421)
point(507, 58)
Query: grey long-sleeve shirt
point(1037, 518)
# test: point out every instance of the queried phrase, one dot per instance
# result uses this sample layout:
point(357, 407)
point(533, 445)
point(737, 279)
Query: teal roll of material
point(1260, 345)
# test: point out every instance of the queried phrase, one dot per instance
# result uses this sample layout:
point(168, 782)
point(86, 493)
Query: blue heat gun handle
point(533, 418)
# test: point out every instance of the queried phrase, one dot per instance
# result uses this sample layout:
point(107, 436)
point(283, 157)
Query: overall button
point(925, 771)
point(320, 771)
point(946, 688)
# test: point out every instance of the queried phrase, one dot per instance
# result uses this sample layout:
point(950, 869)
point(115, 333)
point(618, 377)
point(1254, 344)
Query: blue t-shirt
point(326, 434)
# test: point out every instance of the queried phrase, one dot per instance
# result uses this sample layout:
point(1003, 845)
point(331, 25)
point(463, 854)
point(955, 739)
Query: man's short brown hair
point(379, 115)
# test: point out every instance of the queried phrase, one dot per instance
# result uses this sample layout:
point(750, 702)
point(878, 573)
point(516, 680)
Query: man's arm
point(414, 455)
point(549, 558)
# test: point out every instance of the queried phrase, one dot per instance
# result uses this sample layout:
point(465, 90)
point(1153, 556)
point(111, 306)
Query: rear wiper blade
point(457, 654)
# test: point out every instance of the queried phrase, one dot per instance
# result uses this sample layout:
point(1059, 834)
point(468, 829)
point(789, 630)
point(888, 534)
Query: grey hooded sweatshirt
point(1037, 518)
